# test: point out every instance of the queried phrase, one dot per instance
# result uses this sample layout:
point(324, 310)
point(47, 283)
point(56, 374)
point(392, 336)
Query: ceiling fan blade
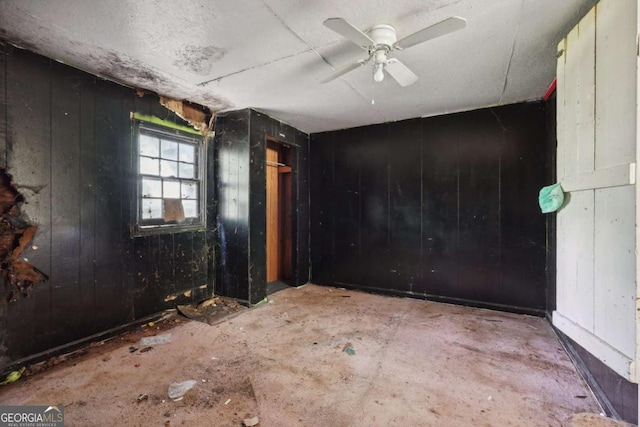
point(447, 26)
point(348, 31)
point(344, 70)
point(400, 72)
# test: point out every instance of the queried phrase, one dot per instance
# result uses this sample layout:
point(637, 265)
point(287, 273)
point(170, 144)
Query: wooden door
point(273, 233)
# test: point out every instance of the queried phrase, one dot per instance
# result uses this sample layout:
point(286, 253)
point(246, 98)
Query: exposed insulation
point(194, 116)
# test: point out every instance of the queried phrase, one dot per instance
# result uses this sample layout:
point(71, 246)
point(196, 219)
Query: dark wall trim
point(446, 300)
point(617, 396)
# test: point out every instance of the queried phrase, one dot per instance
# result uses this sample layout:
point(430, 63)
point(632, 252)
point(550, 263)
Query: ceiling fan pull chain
point(373, 92)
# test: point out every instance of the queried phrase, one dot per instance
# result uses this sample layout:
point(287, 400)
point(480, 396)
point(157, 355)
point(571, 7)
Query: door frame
point(293, 203)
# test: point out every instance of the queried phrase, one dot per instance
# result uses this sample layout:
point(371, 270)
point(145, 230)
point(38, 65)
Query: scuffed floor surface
point(416, 363)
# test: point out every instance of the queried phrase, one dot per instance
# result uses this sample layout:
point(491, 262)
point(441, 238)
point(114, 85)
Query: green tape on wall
point(165, 123)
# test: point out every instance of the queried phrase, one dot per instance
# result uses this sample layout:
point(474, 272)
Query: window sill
point(150, 230)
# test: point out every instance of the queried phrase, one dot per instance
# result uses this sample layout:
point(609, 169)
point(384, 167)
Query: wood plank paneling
point(374, 193)
point(345, 193)
point(232, 190)
point(434, 198)
point(240, 158)
point(575, 259)
point(479, 209)
point(405, 204)
point(65, 195)
point(87, 232)
point(439, 227)
point(109, 292)
point(596, 264)
point(301, 184)
point(615, 84)
point(260, 126)
point(521, 172)
point(322, 217)
point(69, 148)
point(614, 276)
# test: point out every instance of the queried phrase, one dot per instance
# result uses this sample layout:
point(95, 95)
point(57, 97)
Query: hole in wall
point(15, 235)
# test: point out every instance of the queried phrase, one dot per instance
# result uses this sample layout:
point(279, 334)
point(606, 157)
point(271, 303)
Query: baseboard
point(443, 299)
point(617, 397)
point(77, 344)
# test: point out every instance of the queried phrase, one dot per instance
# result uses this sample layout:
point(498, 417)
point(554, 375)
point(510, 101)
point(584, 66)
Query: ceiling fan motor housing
point(383, 35)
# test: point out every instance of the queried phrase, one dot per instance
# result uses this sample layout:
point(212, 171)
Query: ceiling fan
point(380, 40)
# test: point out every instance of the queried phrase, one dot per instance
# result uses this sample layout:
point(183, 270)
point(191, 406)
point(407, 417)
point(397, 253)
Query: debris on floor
point(130, 338)
point(267, 369)
point(13, 376)
point(348, 348)
point(178, 390)
point(250, 422)
point(155, 340)
point(210, 311)
point(142, 397)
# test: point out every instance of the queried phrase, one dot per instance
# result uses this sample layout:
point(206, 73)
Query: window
point(170, 186)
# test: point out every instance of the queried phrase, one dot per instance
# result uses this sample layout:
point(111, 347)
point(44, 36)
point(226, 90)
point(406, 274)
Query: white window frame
point(144, 226)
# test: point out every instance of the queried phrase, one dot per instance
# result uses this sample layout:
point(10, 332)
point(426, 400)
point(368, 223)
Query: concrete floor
point(416, 363)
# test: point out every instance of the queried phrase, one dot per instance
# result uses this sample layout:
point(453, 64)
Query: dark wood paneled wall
point(65, 136)
point(443, 208)
point(240, 149)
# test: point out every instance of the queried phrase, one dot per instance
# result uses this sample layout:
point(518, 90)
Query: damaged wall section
point(65, 137)
point(15, 234)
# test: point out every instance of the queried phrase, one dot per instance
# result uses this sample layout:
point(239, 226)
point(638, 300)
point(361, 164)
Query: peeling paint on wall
point(15, 235)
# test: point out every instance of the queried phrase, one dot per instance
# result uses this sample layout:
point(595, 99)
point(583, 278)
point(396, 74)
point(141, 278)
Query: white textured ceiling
point(270, 54)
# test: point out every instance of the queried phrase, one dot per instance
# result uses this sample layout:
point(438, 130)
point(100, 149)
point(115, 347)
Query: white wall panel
point(561, 111)
point(575, 251)
point(614, 281)
point(615, 83)
point(596, 243)
point(582, 57)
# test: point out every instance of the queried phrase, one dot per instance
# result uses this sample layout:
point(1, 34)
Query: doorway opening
point(279, 216)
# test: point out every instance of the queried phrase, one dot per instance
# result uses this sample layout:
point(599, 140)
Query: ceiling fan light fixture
point(378, 74)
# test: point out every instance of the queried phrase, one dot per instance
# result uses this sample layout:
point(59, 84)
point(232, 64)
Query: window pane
point(168, 168)
point(186, 170)
point(151, 187)
point(190, 208)
point(149, 166)
point(151, 208)
point(149, 146)
point(169, 150)
point(171, 190)
point(189, 190)
point(186, 153)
